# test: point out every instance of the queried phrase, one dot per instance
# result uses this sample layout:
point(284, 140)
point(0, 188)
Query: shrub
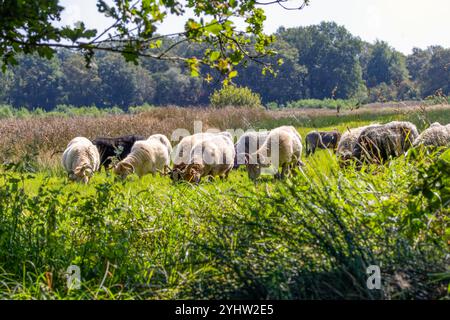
point(139, 109)
point(235, 97)
point(6, 112)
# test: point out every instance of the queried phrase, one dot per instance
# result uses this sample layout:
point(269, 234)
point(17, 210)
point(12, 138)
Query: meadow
point(311, 236)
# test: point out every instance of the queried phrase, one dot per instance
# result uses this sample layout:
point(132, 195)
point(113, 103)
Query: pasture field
point(311, 236)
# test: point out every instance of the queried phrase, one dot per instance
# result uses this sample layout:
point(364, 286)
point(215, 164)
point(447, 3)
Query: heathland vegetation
point(311, 236)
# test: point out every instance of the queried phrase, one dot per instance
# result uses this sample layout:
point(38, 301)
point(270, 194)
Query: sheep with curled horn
point(347, 143)
point(146, 156)
point(378, 144)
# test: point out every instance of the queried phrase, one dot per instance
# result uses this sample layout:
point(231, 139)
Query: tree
point(36, 83)
point(436, 75)
point(175, 87)
point(288, 84)
point(29, 27)
point(123, 83)
point(80, 86)
point(416, 62)
point(331, 56)
point(5, 85)
point(235, 97)
point(385, 65)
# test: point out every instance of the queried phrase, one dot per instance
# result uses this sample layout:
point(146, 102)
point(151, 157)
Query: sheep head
point(82, 173)
point(254, 163)
point(176, 174)
point(193, 173)
point(123, 169)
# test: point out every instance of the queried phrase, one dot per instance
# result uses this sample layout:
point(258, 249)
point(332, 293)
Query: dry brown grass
point(47, 136)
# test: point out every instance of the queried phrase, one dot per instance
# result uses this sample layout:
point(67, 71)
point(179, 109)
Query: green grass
point(311, 236)
point(351, 120)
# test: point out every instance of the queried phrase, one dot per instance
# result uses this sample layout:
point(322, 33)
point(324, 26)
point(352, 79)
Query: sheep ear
point(77, 170)
point(128, 166)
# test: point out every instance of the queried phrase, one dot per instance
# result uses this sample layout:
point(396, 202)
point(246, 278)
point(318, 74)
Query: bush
point(6, 112)
point(139, 109)
point(235, 97)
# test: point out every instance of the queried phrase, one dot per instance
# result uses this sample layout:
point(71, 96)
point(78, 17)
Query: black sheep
point(322, 140)
point(118, 147)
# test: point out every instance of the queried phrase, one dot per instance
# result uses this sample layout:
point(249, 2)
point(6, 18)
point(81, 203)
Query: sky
point(404, 24)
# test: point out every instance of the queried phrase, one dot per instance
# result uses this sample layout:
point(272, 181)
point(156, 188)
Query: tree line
point(316, 62)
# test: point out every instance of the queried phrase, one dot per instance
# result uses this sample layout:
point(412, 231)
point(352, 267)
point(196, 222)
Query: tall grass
point(311, 236)
point(44, 138)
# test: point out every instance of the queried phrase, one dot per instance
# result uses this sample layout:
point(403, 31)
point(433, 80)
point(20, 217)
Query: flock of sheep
point(215, 155)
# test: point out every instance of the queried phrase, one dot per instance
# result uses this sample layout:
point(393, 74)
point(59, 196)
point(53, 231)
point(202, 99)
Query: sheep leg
point(225, 175)
point(285, 171)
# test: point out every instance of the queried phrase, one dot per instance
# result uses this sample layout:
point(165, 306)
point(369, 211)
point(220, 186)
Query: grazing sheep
point(348, 141)
point(248, 143)
point(321, 139)
point(407, 130)
point(213, 156)
point(378, 144)
point(146, 156)
point(164, 140)
point(436, 135)
point(80, 159)
point(118, 147)
point(288, 144)
point(182, 151)
point(183, 148)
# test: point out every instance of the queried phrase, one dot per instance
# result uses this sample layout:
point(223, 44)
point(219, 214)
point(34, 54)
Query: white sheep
point(212, 156)
point(146, 156)
point(183, 148)
point(181, 153)
point(435, 135)
point(80, 159)
point(288, 151)
point(248, 143)
point(164, 140)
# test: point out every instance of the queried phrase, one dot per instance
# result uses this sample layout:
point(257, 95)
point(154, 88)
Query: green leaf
point(232, 74)
point(214, 56)
point(214, 27)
